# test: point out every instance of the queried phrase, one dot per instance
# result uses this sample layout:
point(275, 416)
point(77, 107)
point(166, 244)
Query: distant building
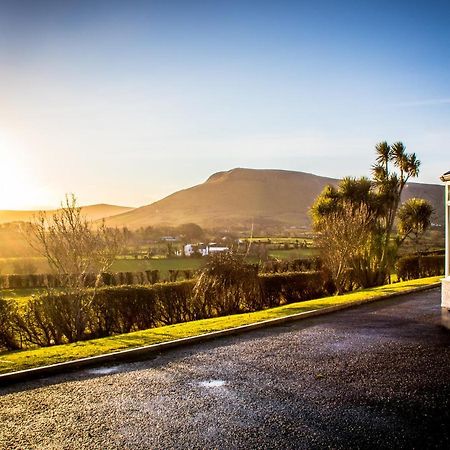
point(189, 249)
point(204, 250)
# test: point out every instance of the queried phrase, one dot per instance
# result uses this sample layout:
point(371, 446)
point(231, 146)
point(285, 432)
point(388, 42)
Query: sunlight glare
point(19, 188)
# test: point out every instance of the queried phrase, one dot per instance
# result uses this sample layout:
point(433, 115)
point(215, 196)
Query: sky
point(125, 102)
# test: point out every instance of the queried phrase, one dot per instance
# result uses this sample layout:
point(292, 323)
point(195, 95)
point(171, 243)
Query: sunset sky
point(124, 102)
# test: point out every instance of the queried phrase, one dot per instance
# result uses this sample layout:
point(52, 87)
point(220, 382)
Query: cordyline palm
point(390, 184)
point(414, 218)
point(383, 155)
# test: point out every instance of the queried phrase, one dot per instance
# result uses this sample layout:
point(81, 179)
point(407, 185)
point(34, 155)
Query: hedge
point(279, 288)
point(60, 317)
point(411, 267)
point(14, 281)
point(294, 265)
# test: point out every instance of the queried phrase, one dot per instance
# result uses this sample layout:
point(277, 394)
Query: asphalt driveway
point(375, 376)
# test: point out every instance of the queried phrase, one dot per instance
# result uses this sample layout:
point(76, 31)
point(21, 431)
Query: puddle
point(103, 370)
point(212, 383)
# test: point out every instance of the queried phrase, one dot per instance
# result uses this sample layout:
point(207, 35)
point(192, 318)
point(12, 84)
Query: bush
point(175, 302)
point(280, 288)
point(122, 309)
point(8, 335)
point(227, 285)
point(14, 281)
point(293, 265)
point(40, 322)
point(411, 267)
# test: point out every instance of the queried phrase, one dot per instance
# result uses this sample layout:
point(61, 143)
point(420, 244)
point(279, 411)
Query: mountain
point(92, 212)
point(239, 197)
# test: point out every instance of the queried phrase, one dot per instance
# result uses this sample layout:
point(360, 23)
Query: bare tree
point(78, 253)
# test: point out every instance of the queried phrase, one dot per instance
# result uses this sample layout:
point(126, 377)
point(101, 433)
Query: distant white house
point(189, 249)
point(204, 250)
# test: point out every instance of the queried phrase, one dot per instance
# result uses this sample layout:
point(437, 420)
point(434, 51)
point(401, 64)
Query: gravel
point(375, 376)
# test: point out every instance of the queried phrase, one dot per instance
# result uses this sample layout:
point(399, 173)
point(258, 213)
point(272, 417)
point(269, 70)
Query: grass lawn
point(279, 240)
point(161, 264)
point(25, 359)
point(294, 253)
point(20, 295)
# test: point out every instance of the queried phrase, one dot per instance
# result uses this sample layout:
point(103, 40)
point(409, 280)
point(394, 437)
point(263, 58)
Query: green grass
point(25, 359)
point(20, 295)
point(278, 240)
point(128, 264)
point(294, 253)
point(161, 264)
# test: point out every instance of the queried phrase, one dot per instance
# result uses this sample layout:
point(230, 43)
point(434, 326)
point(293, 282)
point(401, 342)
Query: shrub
point(152, 276)
point(39, 324)
point(227, 285)
point(175, 302)
point(55, 318)
point(290, 287)
point(413, 266)
point(122, 309)
point(292, 265)
point(8, 336)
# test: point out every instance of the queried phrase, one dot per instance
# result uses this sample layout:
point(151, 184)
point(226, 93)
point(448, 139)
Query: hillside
point(238, 197)
point(92, 212)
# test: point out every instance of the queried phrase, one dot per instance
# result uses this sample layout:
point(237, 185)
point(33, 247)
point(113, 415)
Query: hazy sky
point(126, 101)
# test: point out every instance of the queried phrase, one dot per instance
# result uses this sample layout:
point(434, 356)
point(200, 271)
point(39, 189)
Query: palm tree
point(390, 181)
point(414, 218)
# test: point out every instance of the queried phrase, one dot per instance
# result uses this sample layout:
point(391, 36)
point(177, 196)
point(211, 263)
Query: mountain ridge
point(240, 196)
point(91, 212)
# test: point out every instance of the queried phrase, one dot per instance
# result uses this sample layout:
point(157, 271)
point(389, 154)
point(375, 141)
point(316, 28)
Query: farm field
point(294, 253)
point(161, 264)
point(279, 240)
point(26, 266)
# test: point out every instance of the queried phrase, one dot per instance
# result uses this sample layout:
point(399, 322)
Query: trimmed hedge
point(280, 288)
point(411, 267)
point(294, 265)
point(60, 317)
point(14, 281)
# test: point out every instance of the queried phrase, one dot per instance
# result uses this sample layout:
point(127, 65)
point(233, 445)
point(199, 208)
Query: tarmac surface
point(374, 376)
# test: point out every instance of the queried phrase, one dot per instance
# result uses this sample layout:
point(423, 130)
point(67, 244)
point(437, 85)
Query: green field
point(161, 264)
point(20, 295)
point(279, 240)
point(128, 264)
point(294, 253)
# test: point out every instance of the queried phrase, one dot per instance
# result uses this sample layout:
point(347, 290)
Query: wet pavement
point(376, 376)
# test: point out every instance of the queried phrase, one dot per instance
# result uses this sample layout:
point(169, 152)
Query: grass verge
point(26, 359)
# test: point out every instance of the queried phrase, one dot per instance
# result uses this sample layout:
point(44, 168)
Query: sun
point(19, 189)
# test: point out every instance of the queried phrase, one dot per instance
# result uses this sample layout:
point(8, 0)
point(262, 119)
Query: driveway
point(375, 376)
